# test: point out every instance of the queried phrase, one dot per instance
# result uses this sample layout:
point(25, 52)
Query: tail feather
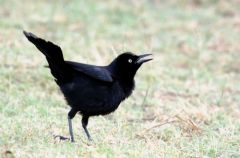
point(54, 56)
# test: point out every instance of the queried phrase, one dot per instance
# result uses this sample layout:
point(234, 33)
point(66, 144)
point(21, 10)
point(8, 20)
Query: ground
point(186, 102)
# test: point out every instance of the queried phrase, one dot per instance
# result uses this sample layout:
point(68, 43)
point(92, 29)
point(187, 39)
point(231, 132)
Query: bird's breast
point(92, 97)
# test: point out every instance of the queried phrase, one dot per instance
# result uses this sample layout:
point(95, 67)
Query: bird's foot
point(90, 139)
point(62, 138)
point(90, 142)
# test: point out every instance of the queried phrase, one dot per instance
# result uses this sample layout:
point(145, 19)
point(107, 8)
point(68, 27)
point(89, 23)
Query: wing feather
point(96, 72)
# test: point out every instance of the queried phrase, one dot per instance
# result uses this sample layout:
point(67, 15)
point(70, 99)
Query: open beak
point(144, 58)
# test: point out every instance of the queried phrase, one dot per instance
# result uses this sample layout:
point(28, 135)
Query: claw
point(62, 138)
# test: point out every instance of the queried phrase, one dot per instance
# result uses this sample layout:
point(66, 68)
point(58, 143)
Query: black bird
point(90, 90)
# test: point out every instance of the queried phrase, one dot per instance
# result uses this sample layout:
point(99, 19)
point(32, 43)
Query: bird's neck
point(121, 75)
point(125, 79)
point(128, 86)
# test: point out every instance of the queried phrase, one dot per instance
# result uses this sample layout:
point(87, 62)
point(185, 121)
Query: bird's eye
point(130, 60)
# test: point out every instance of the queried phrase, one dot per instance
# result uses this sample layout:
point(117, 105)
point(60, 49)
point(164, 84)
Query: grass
point(186, 103)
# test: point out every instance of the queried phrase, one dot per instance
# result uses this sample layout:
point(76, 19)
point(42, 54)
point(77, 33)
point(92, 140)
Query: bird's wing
point(96, 72)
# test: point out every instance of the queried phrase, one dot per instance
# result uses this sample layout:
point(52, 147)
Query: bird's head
point(126, 65)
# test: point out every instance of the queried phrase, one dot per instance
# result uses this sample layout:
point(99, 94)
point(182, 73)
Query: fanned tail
point(54, 56)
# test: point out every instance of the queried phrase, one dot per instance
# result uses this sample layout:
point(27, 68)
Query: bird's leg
point(84, 125)
point(71, 114)
point(70, 129)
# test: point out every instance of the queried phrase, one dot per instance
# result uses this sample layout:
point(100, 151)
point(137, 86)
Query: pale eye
point(130, 60)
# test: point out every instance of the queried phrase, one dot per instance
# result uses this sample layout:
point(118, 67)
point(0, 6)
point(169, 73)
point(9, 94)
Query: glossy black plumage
point(90, 90)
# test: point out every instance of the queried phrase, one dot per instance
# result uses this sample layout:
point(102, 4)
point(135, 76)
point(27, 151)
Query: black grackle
point(90, 90)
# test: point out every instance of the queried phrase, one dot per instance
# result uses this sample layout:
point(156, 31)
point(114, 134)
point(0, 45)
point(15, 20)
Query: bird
point(90, 90)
